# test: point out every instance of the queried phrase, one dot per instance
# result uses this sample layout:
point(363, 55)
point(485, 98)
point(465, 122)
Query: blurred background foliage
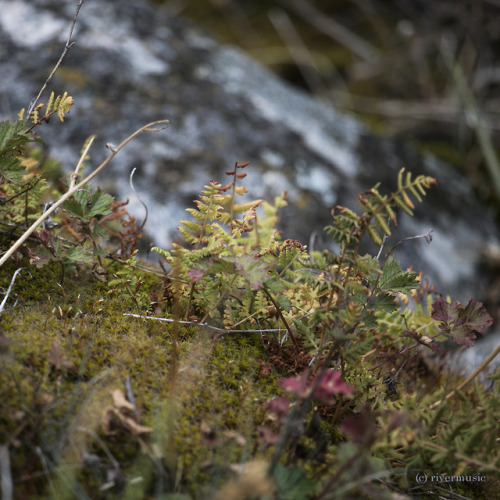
point(425, 71)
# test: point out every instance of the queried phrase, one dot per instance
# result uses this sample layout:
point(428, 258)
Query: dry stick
point(67, 47)
point(74, 175)
point(479, 369)
point(63, 198)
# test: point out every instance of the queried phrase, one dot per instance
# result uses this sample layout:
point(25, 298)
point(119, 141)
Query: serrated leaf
point(78, 254)
point(370, 320)
point(461, 322)
point(476, 316)
point(394, 279)
point(284, 302)
point(384, 302)
point(74, 208)
point(274, 285)
point(12, 169)
point(100, 204)
point(82, 197)
point(98, 231)
point(253, 269)
point(14, 134)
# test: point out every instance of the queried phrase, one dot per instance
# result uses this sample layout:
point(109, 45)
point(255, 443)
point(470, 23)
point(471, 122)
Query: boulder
point(133, 63)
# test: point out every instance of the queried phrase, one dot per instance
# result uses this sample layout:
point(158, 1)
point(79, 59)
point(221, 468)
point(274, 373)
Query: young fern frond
point(379, 210)
point(60, 105)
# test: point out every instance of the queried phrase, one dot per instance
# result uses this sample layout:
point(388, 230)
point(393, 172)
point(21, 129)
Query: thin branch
point(130, 180)
point(63, 198)
point(67, 47)
point(206, 325)
point(4, 301)
point(469, 379)
point(74, 175)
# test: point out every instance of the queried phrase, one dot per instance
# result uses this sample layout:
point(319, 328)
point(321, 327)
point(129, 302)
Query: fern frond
point(63, 105)
point(50, 103)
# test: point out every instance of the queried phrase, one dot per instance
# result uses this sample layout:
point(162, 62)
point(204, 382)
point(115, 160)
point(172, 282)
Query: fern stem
point(278, 310)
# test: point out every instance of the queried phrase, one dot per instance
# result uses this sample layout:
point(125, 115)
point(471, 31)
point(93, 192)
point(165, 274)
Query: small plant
point(349, 399)
point(356, 324)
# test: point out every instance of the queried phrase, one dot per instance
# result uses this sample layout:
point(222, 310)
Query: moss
point(69, 346)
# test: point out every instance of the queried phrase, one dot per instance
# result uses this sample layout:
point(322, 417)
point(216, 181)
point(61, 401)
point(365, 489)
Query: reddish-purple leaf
point(361, 428)
point(477, 317)
point(331, 383)
point(296, 385)
point(195, 274)
point(440, 310)
point(278, 407)
point(461, 322)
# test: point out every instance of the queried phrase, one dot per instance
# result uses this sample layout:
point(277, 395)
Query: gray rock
point(133, 64)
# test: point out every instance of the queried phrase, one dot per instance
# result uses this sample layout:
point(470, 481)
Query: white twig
point(130, 180)
point(74, 175)
point(64, 197)
point(206, 325)
point(4, 301)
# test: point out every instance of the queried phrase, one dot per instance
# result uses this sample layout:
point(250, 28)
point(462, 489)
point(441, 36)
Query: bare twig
point(63, 198)
point(206, 325)
point(67, 47)
point(74, 175)
point(469, 379)
point(7, 293)
point(130, 180)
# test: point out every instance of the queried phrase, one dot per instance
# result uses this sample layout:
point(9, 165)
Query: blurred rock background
point(388, 62)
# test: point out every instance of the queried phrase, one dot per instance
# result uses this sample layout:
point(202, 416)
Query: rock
point(135, 63)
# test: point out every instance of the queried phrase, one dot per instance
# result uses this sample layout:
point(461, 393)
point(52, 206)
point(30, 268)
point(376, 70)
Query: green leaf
point(82, 197)
point(14, 134)
point(394, 279)
point(100, 204)
point(284, 302)
point(11, 169)
point(384, 302)
point(74, 208)
point(78, 254)
point(293, 484)
point(253, 269)
point(274, 285)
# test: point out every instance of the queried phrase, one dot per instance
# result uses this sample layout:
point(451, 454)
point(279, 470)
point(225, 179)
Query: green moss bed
point(65, 348)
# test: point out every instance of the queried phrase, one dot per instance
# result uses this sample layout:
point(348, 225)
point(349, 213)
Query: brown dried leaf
point(120, 401)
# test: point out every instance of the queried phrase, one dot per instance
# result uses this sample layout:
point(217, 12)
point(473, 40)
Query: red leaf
point(461, 322)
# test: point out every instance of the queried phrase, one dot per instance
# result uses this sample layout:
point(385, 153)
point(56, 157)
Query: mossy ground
point(68, 346)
